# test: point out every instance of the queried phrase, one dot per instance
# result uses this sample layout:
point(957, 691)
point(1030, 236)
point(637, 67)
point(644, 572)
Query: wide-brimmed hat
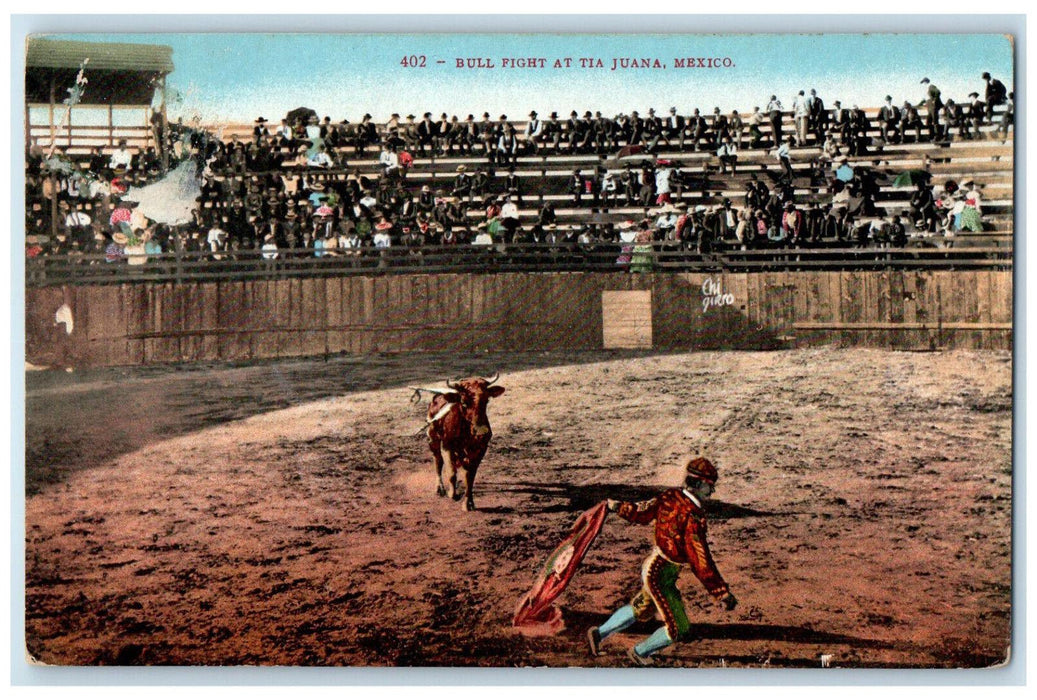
point(461, 168)
point(382, 226)
point(120, 238)
point(260, 120)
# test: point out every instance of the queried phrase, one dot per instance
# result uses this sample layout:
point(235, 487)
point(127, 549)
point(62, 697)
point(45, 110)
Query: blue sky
point(237, 77)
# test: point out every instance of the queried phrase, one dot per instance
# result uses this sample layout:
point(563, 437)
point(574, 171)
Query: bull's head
point(473, 395)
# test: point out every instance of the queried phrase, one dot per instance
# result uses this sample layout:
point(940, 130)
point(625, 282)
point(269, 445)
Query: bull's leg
point(469, 476)
point(437, 460)
point(452, 472)
point(469, 482)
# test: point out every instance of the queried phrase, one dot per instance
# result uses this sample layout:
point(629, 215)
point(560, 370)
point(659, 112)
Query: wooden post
point(53, 205)
point(50, 114)
point(163, 145)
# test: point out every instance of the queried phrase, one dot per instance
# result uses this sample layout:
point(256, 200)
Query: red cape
point(536, 613)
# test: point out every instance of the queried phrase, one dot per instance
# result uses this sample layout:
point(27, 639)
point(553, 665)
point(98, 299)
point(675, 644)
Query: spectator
point(801, 116)
point(933, 105)
point(889, 121)
point(121, 157)
point(755, 134)
point(782, 153)
point(923, 207)
point(663, 176)
point(509, 215)
point(534, 132)
point(736, 126)
point(976, 110)
point(995, 95)
point(728, 155)
point(774, 110)
point(972, 211)
point(1007, 118)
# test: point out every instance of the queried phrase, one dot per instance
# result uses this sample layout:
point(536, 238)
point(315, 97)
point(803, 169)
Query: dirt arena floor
point(285, 513)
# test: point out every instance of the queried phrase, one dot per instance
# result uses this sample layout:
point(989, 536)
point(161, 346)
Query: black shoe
point(638, 659)
point(594, 641)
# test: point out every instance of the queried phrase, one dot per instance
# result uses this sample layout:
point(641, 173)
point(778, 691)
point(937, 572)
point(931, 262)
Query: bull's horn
point(491, 381)
point(418, 389)
point(452, 383)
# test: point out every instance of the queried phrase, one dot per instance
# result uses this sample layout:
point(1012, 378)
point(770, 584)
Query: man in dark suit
point(933, 105)
point(674, 129)
point(552, 132)
point(994, 95)
point(696, 128)
point(636, 126)
point(818, 116)
point(652, 130)
point(889, 121)
point(572, 131)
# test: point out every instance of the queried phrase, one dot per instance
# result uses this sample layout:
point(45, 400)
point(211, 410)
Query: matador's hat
point(702, 468)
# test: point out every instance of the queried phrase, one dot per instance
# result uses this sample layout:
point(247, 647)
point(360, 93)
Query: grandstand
point(240, 301)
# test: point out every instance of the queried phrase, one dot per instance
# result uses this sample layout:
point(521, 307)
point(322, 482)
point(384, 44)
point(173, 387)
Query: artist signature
point(714, 295)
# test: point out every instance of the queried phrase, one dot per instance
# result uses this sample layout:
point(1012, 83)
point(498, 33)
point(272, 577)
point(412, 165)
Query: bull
point(459, 431)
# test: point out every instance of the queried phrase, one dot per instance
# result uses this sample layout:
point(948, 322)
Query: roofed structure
point(124, 74)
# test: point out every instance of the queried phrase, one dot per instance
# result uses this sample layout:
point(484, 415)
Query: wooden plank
point(333, 298)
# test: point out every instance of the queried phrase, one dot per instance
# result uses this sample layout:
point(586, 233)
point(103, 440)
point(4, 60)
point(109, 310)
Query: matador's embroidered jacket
point(680, 533)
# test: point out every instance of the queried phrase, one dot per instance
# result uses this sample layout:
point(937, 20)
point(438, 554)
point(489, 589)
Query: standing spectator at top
point(774, 110)
point(801, 114)
point(994, 95)
point(818, 115)
point(933, 105)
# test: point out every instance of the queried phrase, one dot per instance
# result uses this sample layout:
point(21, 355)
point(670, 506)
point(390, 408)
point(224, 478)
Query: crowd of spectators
point(290, 191)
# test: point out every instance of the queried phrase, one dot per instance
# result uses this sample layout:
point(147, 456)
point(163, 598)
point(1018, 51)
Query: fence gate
point(626, 319)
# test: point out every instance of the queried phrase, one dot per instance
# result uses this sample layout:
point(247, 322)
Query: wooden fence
point(145, 323)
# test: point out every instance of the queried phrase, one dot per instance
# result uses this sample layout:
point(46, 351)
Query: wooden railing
point(529, 257)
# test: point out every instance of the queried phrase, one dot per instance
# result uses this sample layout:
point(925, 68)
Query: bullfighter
point(680, 541)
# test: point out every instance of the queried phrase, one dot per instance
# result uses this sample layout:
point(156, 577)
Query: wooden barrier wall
point(134, 324)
